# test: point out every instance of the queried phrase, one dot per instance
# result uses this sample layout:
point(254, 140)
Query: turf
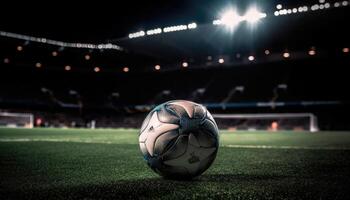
point(107, 164)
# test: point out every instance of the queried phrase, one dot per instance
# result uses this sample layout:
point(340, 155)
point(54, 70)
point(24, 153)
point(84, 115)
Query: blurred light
point(345, 3)
point(305, 8)
point(267, 52)
point(279, 6)
point(19, 48)
point(312, 52)
point(286, 55)
point(321, 7)
point(327, 5)
point(38, 121)
point(157, 67)
point(276, 13)
point(192, 25)
point(154, 31)
point(209, 58)
point(87, 57)
point(174, 28)
point(336, 4)
point(230, 18)
point(321, 1)
point(38, 65)
point(54, 53)
point(295, 10)
point(300, 9)
point(6, 60)
point(126, 69)
point(97, 69)
point(289, 11)
point(253, 15)
point(217, 22)
point(251, 58)
point(184, 64)
point(28, 38)
point(345, 50)
point(137, 34)
point(67, 68)
point(221, 60)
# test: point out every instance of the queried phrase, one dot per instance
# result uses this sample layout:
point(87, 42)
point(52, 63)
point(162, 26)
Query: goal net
point(268, 121)
point(24, 120)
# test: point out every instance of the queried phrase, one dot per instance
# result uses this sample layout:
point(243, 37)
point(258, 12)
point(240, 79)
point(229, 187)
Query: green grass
point(107, 164)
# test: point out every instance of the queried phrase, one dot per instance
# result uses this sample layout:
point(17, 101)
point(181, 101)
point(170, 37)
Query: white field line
point(229, 145)
point(286, 147)
point(54, 140)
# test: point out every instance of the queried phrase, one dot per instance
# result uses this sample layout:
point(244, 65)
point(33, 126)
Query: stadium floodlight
point(253, 15)
point(137, 34)
point(251, 58)
point(192, 26)
point(279, 6)
point(230, 19)
point(154, 31)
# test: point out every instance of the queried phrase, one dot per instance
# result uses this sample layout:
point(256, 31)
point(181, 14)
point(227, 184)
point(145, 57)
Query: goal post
point(9, 119)
point(268, 121)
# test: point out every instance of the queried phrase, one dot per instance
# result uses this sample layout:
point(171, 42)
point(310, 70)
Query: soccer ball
point(179, 139)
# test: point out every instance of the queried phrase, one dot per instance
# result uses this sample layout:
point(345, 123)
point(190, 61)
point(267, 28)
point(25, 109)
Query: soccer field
point(107, 164)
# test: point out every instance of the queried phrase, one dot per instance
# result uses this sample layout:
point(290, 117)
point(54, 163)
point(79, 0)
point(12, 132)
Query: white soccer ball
point(179, 139)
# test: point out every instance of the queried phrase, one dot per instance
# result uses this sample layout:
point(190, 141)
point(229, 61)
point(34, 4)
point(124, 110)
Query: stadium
point(79, 85)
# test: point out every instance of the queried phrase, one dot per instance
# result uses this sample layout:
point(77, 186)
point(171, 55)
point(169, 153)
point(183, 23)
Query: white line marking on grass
point(285, 147)
point(55, 140)
point(229, 145)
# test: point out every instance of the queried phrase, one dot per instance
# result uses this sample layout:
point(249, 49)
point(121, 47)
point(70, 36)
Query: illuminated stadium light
point(276, 13)
point(345, 50)
point(184, 64)
point(217, 22)
point(295, 10)
point(286, 55)
point(336, 4)
point(38, 65)
point(251, 58)
point(174, 28)
point(267, 52)
point(279, 6)
point(28, 38)
point(253, 15)
point(6, 60)
point(126, 69)
point(87, 57)
point(321, 1)
point(137, 34)
point(345, 3)
point(19, 48)
point(289, 11)
point(305, 8)
point(157, 67)
point(315, 7)
point(312, 51)
point(221, 60)
point(327, 5)
point(97, 69)
point(67, 68)
point(321, 7)
point(192, 26)
point(230, 18)
point(54, 53)
point(154, 31)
